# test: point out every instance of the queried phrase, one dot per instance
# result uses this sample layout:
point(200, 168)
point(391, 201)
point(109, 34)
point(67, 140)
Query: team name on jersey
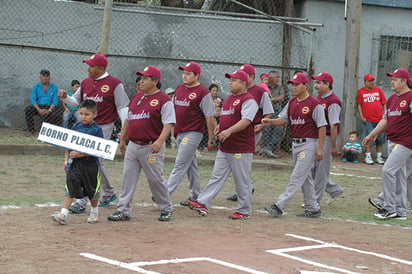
point(298, 121)
point(183, 103)
point(139, 116)
point(394, 113)
point(96, 98)
point(230, 111)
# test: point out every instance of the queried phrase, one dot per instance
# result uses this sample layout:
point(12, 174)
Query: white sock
point(368, 154)
point(65, 212)
point(378, 154)
point(94, 210)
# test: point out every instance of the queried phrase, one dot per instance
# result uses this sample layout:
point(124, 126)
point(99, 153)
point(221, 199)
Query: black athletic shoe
point(375, 203)
point(118, 216)
point(311, 214)
point(186, 202)
point(384, 214)
point(274, 210)
point(233, 197)
point(165, 216)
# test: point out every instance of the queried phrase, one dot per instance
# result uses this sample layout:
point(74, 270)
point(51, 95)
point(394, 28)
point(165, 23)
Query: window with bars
point(394, 52)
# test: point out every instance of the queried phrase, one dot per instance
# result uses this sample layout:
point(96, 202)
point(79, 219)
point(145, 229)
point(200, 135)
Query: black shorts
point(83, 180)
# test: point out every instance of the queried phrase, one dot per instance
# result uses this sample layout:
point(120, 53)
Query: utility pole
point(287, 43)
point(107, 22)
point(351, 70)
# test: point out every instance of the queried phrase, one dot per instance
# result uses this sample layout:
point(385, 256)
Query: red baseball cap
point(191, 66)
point(400, 73)
point(239, 74)
point(323, 76)
point(368, 77)
point(97, 60)
point(299, 78)
point(264, 75)
point(249, 69)
point(150, 71)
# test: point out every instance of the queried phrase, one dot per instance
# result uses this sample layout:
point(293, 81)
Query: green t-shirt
point(69, 93)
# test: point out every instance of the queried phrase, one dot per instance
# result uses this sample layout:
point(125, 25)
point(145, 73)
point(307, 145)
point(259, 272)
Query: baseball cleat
point(118, 216)
point(106, 200)
point(239, 216)
point(201, 209)
point(384, 214)
point(375, 203)
point(274, 210)
point(311, 214)
point(165, 216)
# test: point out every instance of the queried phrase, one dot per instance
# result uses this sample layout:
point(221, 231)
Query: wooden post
point(351, 69)
point(107, 22)
point(287, 44)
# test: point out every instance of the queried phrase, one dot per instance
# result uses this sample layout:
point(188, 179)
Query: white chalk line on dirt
point(322, 244)
point(136, 266)
point(357, 176)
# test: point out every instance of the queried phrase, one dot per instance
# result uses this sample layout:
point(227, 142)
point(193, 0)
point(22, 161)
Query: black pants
point(31, 111)
point(350, 155)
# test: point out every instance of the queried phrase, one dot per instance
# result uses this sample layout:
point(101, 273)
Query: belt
point(299, 140)
point(146, 143)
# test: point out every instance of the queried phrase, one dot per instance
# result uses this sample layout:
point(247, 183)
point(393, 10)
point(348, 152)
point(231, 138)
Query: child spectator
point(82, 170)
point(69, 111)
point(352, 149)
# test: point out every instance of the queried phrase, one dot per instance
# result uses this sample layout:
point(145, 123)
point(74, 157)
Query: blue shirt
point(39, 97)
point(92, 129)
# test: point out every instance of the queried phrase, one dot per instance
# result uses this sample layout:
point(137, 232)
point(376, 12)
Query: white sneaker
point(368, 160)
point(93, 218)
point(380, 160)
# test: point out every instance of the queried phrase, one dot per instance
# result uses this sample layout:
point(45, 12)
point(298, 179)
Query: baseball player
point(237, 145)
point(151, 117)
point(265, 108)
point(306, 116)
point(397, 122)
point(332, 106)
point(194, 107)
point(112, 101)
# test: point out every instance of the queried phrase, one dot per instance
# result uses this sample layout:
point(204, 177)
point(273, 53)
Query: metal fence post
point(107, 22)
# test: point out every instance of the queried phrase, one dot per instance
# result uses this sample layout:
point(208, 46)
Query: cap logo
point(92, 57)
point(235, 103)
point(146, 69)
point(295, 76)
point(242, 67)
point(320, 74)
point(187, 65)
point(403, 103)
point(154, 103)
point(395, 71)
point(105, 88)
point(192, 96)
point(305, 110)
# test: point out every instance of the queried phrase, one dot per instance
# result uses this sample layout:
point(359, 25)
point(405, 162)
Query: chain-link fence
point(58, 35)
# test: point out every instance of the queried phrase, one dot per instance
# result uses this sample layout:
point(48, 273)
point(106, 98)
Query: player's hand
point(122, 146)
point(363, 120)
point(368, 139)
point(259, 128)
point(224, 135)
point(266, 121)
point(211, 145)
point(334, 151)
point(156, 146)
point(319, 154)
point(62, 94)
point(216, 131)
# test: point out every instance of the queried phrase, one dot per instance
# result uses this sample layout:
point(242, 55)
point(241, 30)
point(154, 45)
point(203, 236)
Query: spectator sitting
point(352, 149)
point(69, 111)
point(170, 141)
point(43, 101)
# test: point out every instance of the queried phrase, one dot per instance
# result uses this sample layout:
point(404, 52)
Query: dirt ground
point(30, 242)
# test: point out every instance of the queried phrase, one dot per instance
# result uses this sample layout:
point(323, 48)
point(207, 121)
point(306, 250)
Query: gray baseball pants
point(321, 173)
point(108, 189)
point(304, 155)
point(136, 158)
point(394, 181)
point(186, 162)
point(240, 164)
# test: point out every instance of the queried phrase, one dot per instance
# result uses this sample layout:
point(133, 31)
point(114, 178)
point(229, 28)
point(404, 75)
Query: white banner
point(74, 140)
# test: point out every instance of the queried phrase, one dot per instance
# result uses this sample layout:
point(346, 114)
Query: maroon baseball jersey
point(327, 101)
point(231, 113)
point(257, 93)
point(145, 119)
point(102, 92)
point(300, 117)
point(399, 119)
point(189, 116)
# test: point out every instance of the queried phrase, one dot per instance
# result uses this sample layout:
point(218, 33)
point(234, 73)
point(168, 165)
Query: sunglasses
point(45, 71)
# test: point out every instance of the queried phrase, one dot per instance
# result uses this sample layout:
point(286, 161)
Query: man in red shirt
point(371, 106)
